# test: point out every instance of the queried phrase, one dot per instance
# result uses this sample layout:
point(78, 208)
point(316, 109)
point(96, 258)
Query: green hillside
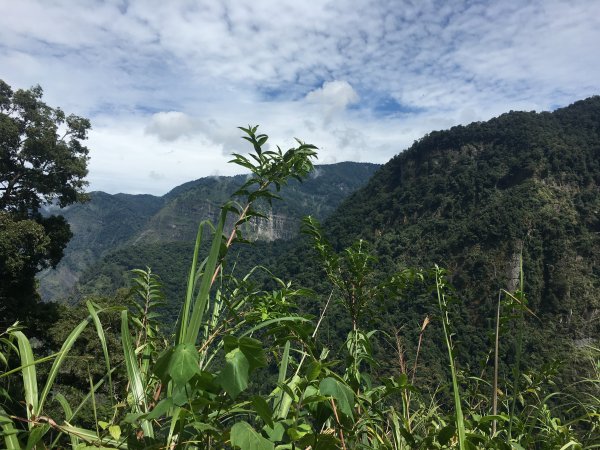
point(473, 199)
point(115, 233)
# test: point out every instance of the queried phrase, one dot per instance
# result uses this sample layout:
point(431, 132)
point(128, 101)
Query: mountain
point(109, 225)
point(478, 200)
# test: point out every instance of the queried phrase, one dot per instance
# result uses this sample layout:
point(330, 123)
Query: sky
point(166, 83)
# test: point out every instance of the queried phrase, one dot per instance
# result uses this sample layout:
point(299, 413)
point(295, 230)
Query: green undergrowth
point(245, 369)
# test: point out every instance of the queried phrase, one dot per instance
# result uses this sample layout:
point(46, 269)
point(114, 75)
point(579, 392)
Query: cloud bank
point(167, 83)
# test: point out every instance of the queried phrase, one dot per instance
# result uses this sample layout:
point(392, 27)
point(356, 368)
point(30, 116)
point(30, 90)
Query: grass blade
point(58, 362)
point(133, 374)
point(183, 321)
point(8, 430)
point(202, 299)
point(29, 375)
point(460, 423)
point(68, 415)
point(102, 337)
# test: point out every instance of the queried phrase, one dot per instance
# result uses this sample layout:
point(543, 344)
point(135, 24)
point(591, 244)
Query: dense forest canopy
point(42, 160)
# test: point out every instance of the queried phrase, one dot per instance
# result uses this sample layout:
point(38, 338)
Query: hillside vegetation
point(115, 233)
point(398, 353)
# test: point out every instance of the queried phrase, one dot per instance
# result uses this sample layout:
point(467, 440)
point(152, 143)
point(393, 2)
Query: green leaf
point(244, 437)
point(183, 363)
point(199, 308)
point(102, 337)
point(160, 409)
point(446, 434)
point(29, 375)
point(115, 431)
point(234, 376)
point(263, 409)
point(330, 387)
point(133, 373)
point(8, 430)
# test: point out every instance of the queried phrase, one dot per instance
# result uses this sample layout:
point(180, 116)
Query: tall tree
point(42, 161)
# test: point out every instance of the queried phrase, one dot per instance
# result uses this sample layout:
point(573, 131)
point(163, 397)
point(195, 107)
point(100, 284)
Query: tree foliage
point(42, 160)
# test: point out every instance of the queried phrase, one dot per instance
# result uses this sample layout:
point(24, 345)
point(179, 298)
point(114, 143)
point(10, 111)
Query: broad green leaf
point(160, 409)
point(234, 376)
point(183, 363)
point(251, 348)
point(246, 438)
point(115, 432)
point(330, 387)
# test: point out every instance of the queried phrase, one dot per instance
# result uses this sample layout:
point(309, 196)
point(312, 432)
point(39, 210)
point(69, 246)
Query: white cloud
point(171, 125)
point(180, 76)
point(333, 97)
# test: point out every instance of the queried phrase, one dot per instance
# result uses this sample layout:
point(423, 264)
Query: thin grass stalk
point(337, 419)
point(496, 351)
point(460, 425)
point(316, 330)
point(424, 325)
point(517, 368)
point(37, 361)
point(83, 402)
point(102, 337)
point(94, 408)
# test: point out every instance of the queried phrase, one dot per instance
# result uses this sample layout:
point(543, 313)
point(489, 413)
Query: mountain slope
point(147, 226)
point(103, 223)
point(474, 198)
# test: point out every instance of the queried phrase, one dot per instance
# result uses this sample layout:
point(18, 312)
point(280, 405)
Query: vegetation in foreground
point(209, 386)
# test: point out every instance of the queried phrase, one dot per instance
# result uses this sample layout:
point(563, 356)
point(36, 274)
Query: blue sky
point(166, 83)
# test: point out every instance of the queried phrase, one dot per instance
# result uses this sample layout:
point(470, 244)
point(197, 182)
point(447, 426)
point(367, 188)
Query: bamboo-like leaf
point(8, 430)
point(82, 404)
point(202, 299)
point(102, 337)
point(92, 437)
point(133, 374)
point(283, 366)
point(185, 310)
point(29, 375)
point(35, 435)
point(68, 415)
point(58, 362)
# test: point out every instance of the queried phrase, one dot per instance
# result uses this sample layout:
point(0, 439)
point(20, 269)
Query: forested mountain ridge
point(474, 198)
point(109, 223)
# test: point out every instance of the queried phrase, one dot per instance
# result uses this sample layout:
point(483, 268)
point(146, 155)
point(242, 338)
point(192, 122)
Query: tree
point(42, 161)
